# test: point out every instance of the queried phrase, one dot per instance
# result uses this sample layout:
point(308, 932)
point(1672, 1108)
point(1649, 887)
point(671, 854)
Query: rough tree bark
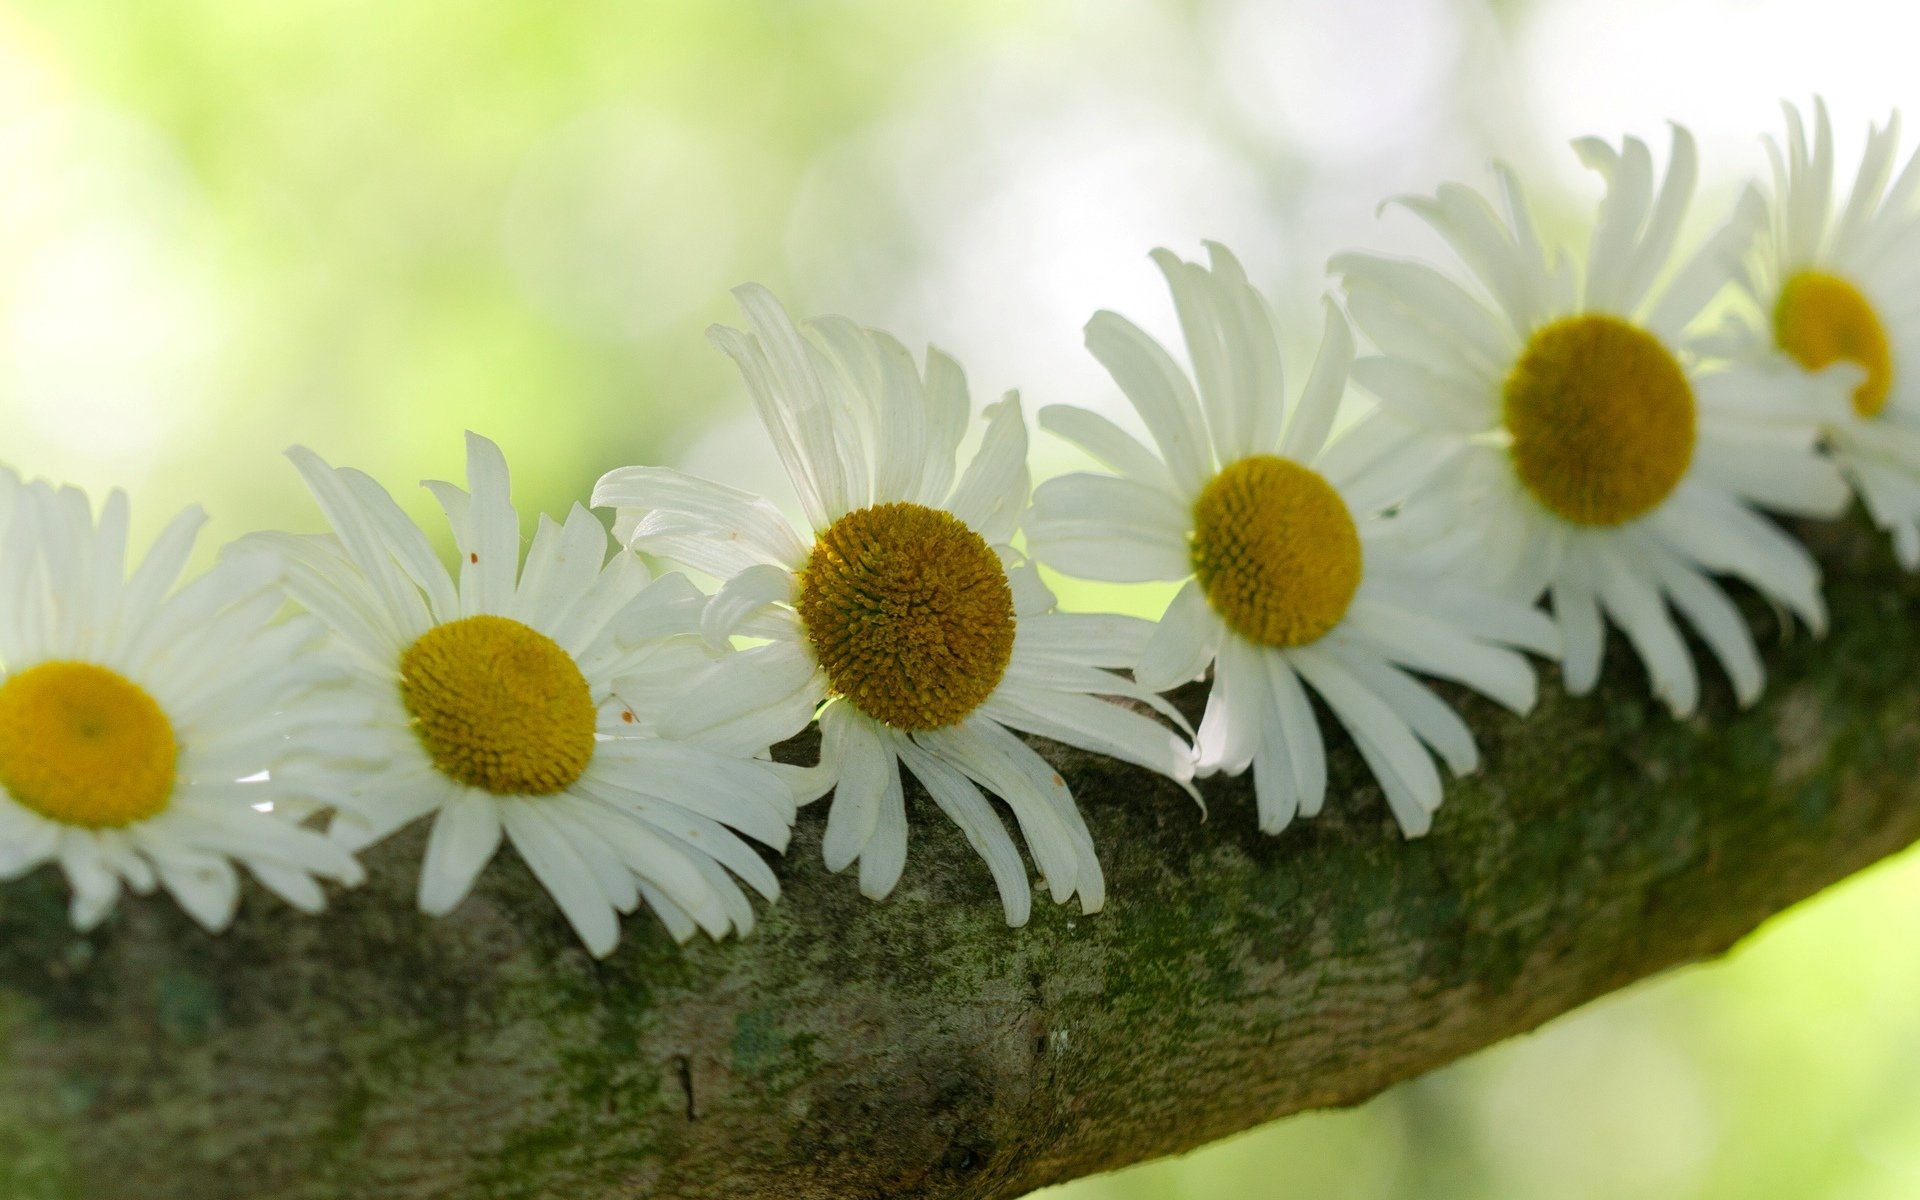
point(920, 1048)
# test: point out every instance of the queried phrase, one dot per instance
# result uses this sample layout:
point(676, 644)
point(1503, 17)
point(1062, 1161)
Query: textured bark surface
point(920, 1048)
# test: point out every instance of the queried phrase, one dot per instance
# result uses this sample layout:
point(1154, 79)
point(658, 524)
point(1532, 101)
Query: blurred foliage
point(420, 217)
point(231, 226)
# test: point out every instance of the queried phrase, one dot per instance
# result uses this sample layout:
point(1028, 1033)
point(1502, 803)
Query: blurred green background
point(226, 227)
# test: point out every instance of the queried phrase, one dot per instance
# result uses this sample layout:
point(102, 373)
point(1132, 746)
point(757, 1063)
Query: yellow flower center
point(1602, 419)
point(1276, 550)
point(499, 706)
point(84, 745)
point(910, 613)
point(1821, 319)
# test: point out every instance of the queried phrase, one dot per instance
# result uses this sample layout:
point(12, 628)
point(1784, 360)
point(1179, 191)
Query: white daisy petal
point(1106, 499)
point(1031, 596)
point(26, 840)
point(740, 597)
point(758, 696)
point(1784, 478)
point(585, 620)
point(1424, 294)
point(1716, 619)
point(1410, 804)
point(1655, 245)
point(1432, 720)
point(1107, 550)
point(733, 901)
point(743, 528)
point(1380, 460)
point(1472, 228)
point(1098, 725)
point(1084, 639)
point(1112, 446)
point(782, 377)
point(567, 878)
point(157, 573)
point(405, 611)
point(1276, 792)
point(465, 836)
point(1320, 399)
point(1089, 879)
point(295, 887)
point(1306, 750)
point(1231, 728)
point(1383, 736)
point(884, 856)
point(1636, 606)
point(1158, 391)
point(992, 493)
point(1005, 766)
point(855, 742)
point(1582, 633)
point(680, 926)
point(1629, 176)
point(1723, 536)
point(1423, 395)
point(1435, 647)
point(614, 878)
point(744, 794)
point(948, 408)
point(1226, 400)
point(1705, 274)
point(657, 859)
point(207, 887)
point(966, 807)
point(563, 562)
point(665, 608)
point(95, 888)
point(1184, 642)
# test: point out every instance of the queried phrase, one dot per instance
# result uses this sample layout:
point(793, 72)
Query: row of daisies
point(1599, 433)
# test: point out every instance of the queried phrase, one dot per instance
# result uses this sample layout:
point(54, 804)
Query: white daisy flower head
point(901, 609)
point(1293, 578)
point(518, 700)
point(1601, 455)
point(154, 735)
point(1834, 314)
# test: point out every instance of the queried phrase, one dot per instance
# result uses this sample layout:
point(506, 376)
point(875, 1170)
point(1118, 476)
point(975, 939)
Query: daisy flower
point(146, 729)
point(901, 614)
point(1836, 312)
point(492, 706)
point(1291, 577)
point(1601, 457)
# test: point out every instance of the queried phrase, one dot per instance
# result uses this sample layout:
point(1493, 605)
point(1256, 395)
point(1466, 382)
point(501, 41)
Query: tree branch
point(920, 1048)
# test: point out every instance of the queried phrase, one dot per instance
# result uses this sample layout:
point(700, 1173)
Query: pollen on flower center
point(84, 745)
point(910, 613)
point(499, 706)
point(1822, 319)
point(1276, 550)
point(1602, 419)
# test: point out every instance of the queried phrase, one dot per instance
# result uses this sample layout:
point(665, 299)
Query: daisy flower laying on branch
point(1835, 312)
point(1602, 457)
point(900, 614)
point(1293, 580)
point(154, 735)
point(492, 707)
